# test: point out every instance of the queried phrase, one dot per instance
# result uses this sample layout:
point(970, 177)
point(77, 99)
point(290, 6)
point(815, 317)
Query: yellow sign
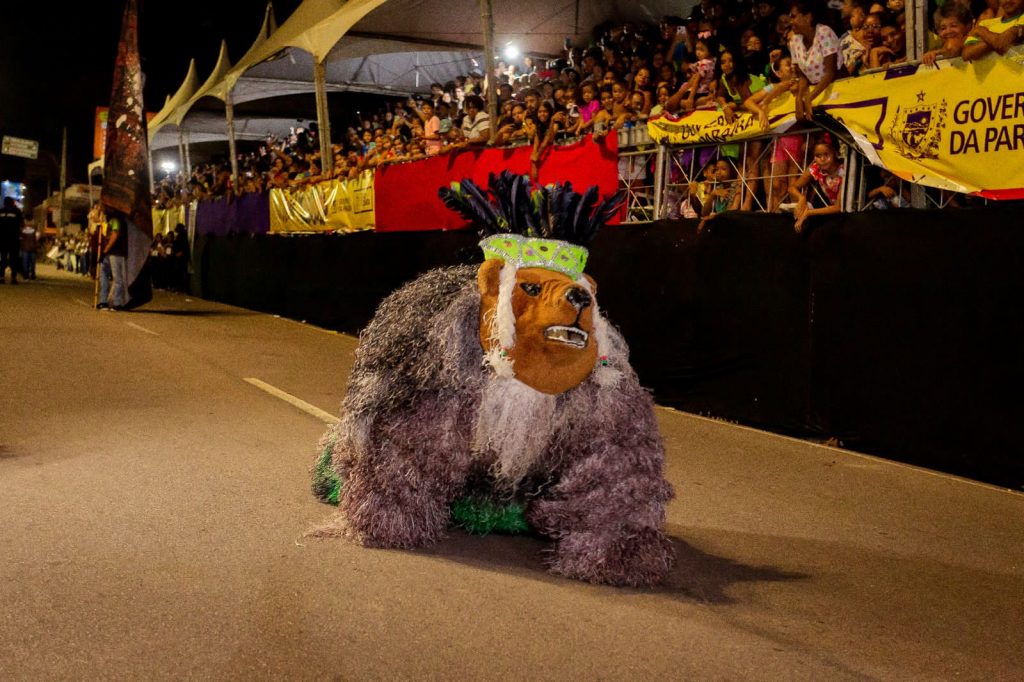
point(957, 126)
point(709, 126)
point(330, 206)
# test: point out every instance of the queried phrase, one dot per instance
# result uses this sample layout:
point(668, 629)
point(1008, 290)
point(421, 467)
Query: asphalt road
point(154, 505)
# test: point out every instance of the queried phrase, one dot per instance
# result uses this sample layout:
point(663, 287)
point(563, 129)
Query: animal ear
point(487, 277)
point(593, 284)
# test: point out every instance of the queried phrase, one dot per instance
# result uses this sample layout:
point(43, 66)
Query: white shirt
point(477, 126)
point(811, 62)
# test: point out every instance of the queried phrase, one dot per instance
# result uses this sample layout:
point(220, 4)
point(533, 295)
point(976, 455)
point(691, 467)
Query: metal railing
point(661, 180)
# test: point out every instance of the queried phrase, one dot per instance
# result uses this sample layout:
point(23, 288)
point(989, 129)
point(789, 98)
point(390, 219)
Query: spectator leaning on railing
point(998, 34)
point(953, 21)
point(626, 73)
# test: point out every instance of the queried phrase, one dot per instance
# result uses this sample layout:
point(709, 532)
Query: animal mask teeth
point(571, 336)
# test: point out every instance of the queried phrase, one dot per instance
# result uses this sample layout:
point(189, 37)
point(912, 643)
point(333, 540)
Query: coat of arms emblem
point(917, 130)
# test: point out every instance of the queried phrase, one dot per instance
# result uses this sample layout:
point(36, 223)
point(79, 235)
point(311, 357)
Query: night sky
point(57, 60)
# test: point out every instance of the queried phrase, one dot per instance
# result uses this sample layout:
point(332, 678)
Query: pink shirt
point(705, 68)
point(587, 111)
point(431, 128)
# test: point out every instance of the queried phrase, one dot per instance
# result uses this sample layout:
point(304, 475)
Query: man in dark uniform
point(11, 222)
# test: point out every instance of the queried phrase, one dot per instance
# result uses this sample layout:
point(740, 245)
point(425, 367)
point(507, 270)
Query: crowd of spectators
point(732, 55)
point(77, 253)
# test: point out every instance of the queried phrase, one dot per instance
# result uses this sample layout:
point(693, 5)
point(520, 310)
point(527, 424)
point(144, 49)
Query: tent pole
point(181, 149)
point(487, 17)
point(323, 118)
point(188, 162)
point(229, 112)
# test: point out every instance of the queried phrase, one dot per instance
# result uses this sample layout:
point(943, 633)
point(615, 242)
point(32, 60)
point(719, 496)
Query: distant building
point(77, 202)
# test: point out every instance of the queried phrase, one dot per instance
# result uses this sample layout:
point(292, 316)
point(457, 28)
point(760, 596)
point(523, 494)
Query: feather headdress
point(530, 226)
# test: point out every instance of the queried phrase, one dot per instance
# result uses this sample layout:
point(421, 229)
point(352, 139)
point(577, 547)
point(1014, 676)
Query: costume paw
point(631, 557)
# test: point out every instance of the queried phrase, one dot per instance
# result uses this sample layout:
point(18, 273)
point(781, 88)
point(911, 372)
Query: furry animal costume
point(434, 412)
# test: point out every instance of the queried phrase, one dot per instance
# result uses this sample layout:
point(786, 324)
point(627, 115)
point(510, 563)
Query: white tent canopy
point(393, 47)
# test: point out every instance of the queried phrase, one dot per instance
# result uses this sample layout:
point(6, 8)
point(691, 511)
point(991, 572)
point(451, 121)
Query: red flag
point(126, 157)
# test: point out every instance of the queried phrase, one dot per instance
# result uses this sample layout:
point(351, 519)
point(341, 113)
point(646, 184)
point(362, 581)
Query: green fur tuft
point(326, 483)
point(481, 516)
point(476, 515)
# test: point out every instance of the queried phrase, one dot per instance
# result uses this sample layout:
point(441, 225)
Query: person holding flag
point(125, 197)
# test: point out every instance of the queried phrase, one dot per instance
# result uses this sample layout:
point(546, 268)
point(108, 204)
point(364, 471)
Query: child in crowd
point(724, 195)
point(890, 194)
point(572, 109)
point(591, 105)
point(661, 94)
point(819, 190)
point(697, 89)
point(619, 97)
point(787, 150)
point(605, 119)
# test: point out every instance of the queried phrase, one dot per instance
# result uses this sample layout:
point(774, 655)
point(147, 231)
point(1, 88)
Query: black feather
point(455, 198)
point(492, 223)
point(513, 205)
point(581, 218)
point(605, 211)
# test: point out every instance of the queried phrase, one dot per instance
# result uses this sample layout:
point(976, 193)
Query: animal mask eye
point(531, 288)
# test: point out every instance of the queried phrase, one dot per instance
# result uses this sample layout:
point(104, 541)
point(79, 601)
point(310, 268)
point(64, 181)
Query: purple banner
point(248, 214)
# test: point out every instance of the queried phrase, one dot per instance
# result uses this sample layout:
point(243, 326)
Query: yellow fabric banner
point(957, 126)
point(164, 219)
point(709, 126)
point(330, 206)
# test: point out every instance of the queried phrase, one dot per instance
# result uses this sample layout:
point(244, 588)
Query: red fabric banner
point(406, 194)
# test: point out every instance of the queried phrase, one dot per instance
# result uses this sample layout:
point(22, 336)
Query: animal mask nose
point(579, 298)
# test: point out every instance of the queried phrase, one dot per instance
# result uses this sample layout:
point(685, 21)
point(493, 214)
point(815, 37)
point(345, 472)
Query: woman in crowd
point(542, 127)
point(953, 22)
point(814, 48)
point(733, 85)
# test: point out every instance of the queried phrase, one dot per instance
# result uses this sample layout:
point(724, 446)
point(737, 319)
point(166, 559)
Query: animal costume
point(481, 391)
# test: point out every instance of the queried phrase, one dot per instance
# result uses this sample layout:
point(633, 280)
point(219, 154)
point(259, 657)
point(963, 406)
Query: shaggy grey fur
point(408, 444)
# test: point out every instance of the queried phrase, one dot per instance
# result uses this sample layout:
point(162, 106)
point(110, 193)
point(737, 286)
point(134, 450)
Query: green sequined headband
point(536, 252)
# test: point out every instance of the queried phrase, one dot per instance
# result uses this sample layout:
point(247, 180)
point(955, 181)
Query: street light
point(168, 167)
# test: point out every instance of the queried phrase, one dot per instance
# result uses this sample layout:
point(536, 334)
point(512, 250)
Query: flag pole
point(126, 177)
point(487, 19)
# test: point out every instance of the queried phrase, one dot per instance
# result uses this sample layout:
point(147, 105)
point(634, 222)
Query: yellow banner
point(165, 219)
point(957, 126)
point(709, 126)
point(330, 206)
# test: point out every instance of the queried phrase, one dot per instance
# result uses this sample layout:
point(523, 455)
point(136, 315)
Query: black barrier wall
point(896, 332)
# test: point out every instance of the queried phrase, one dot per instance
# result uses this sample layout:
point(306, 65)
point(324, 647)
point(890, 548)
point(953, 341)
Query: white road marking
point(140, 328)
point(843, 451)
point(305, 324)
point(323, 416)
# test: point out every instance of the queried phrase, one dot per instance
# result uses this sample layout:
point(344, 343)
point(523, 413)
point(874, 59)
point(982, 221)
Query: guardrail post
point(659, 180)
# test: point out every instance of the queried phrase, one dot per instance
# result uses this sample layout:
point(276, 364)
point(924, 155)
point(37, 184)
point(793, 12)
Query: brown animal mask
point(555, 349)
